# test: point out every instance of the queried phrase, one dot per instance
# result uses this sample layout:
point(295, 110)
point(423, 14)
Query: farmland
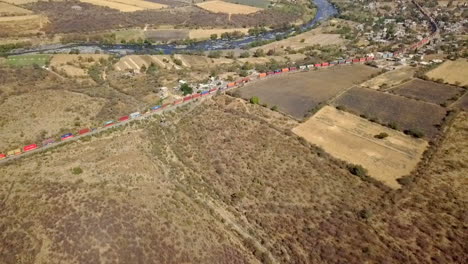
point(463, 102)
point(297, 93)
point(390, 78)
point(243, 186)
point(126, 5)
point(24, 25)
point(453, 72)
point(227, 8)
point(75, 65)
point(10, 10)
point(309, 38)
point(401, 112)
point(429, 91)
point(28, 60)
point(351, 138)
point(254, 3)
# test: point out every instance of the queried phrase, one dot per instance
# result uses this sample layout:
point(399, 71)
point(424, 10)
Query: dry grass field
point(462, 103)
point(453, 72)
point(297, 93)
point(126, 5)
point(11, 10)
point(230, 177)
point(351, 138)
point(75, 65)
point(308, 38)
point(20, 2)
point(228, 8)
point(22, 25)
point(429, 91)
point(135, 62)
point(390, 78)
point(385, 108)
point(49, 111)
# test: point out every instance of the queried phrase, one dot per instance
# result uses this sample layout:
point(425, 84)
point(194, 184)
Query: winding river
point(324, 11)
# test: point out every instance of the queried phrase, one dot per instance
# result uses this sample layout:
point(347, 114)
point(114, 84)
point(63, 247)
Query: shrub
point(274, 108)
point(357, 170)
point(414, 133)
point(254, 100)
point(364, 214)
point(381, 135)
point(339, 107)
point(393, 126)
point(77, 170)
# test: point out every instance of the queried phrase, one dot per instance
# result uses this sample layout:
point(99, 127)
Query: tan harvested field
point(310, 38)
point(206, 33)
point(351, 138)
point(135, 62)
point(21, 2)
point(166, 34)
point(390, 78)
point(386, 108)
point(49, 111)
point(22, 25)
point(75, 65)
point(429, 91)
point(453, 72)
point(126, 5)
point(297, 93)
point(8, 10)
point(228, 8)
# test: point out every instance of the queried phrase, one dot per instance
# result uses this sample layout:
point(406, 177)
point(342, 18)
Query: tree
point(254, 100)
point(143, 69)
point(186, 89)
point(213, 36)
point(214, 54)
point(244, 54)
point(259, 53)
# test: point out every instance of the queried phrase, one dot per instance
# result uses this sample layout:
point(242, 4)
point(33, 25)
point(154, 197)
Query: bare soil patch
point(297, 93)
point(390, 78)
point(385, 108)
point(227, 8)
point(453, 72)
point(351, 138)
point(429, 91)
point(167, 34)
point(75, 65)
point(206, 33)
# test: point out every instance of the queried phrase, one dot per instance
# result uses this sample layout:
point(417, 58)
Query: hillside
point(230, 177)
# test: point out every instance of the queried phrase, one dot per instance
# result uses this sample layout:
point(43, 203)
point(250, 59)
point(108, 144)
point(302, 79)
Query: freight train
point(237, 83)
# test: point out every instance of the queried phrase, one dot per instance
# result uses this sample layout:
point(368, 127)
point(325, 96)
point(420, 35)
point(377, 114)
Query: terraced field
point(429, 91)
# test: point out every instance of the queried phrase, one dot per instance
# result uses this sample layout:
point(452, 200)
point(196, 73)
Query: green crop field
point(255, 3)
point(27, 60)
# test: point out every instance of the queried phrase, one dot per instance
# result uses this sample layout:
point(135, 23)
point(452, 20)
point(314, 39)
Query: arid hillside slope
point(230, 177)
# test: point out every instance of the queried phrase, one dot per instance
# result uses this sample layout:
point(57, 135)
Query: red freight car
point(30, 147)
point(318, 65)
point(369, 58)
point(261, 75)
point(187, 98)
point(123, 118)
point(246, 80)
point(285, 70)
point(355, 60)
point(196, 95)
point(362, 59)
point(293, 68)
point(270, 73)
point(2, 156)
point(325, 64)
point(84, 131)
point(232, 84)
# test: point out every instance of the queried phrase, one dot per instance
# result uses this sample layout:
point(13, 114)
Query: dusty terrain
point(72, 65)
point(227, 8)
point(228, 176)
point(24, 25)
point(12, 10)
point(429, 91)
point(351, 138)
point(453, 72)
point(399, 111)
point(298, 93)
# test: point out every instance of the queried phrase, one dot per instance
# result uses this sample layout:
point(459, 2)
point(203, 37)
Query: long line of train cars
point(237, 83)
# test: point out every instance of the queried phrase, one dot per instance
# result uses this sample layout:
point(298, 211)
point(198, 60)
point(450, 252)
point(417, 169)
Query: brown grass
point(351, 138)
point(385, 108)
point(8, 10)
point(297, 93)
point(390, 78)
point(228, 8)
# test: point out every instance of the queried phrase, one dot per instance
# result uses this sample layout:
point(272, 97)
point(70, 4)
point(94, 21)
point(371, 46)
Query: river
point(324, 11)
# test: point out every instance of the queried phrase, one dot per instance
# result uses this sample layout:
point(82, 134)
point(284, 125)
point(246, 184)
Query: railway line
point(160, 109)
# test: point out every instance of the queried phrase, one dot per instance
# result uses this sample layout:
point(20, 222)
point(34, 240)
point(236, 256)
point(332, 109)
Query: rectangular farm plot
point(405, 113)
point(297, 93)
point(351, 138)
point(428, 91)
point(28, 60)
point(453, 72)
point(126, 5)
point(227, 8)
